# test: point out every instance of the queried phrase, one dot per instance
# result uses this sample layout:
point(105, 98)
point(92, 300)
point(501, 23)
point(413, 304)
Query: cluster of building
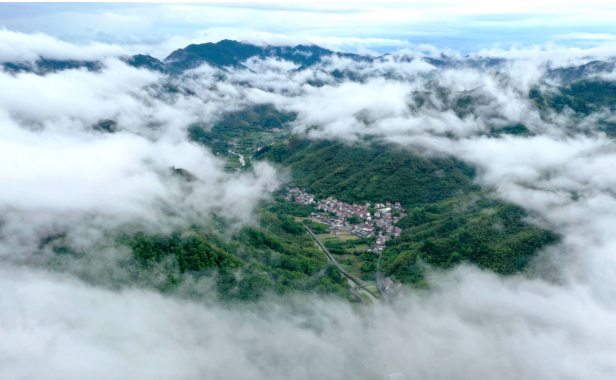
point(299, 196)
point(381, 224)
point(343, 210)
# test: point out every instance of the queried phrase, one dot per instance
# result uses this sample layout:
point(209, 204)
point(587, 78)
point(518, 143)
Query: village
point(353, 219)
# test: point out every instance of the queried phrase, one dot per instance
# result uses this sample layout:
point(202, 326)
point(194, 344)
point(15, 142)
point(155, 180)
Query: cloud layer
point(57, 169)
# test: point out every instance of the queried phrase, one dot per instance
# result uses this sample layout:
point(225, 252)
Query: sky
point(379, 27)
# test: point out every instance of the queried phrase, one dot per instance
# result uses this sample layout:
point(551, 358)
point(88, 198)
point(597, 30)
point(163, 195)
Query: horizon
point(360, 28)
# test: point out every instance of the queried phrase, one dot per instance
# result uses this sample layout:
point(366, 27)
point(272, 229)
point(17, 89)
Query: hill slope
point(232, 53)
point(449, 220)
point(471, 228)
point(378, 173)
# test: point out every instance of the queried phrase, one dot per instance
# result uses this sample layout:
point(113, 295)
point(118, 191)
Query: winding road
point(357, 286)
point(356, 283)
point(331, 258)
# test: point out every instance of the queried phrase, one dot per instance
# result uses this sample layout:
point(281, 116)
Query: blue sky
point(379, 27)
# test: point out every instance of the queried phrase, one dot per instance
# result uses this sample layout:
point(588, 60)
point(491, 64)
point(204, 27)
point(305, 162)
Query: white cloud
point(54, 169)
point(16, 47)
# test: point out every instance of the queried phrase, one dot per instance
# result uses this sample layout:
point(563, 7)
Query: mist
point(59, 173)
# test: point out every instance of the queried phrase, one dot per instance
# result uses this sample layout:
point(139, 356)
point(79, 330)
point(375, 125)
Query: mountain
point(233, 54)
point(371, 173)
point(275, 256)
point(222, 54)
point(473, 228)
point(578, 100)
point(227, 53)
point(450, 220)
point(43, 66)
point(566, 75)
point(141, 61)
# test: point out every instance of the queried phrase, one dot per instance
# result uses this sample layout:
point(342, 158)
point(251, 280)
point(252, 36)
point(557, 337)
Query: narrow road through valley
point(331, 258)
point(379, 281)
point(356, 283)
point(363, 302)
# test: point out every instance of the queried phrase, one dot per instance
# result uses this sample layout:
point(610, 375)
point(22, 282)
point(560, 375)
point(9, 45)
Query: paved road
point(355, 289)
point(379, 281)
point(356, 283)
point(331, 258)
point(352, 290)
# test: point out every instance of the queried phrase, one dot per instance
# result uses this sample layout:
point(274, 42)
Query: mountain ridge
point(227, 53)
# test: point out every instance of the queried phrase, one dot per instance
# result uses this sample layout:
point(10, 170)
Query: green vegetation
point(340, 246)
point(290, 208)
point(275, 257)
point(518, 130)
point(150, 63)
point(231, 53)
point(318, 228)
point(470, 228)
point(449, 221)
point(223, 53)
point(352, 255)
point(372, 289)
point(194, 253)
point(583, 97)
point(377, 173)
point(242, 132)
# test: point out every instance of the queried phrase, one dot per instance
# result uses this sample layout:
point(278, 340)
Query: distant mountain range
point(577, 87)
point(225, 53)
point(233, 54)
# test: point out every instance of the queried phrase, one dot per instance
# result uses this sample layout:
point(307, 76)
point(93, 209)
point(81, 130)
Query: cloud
point(59, 173)
point(473, 325)
point(62, 172)
point(18, 47)
point(558, 175)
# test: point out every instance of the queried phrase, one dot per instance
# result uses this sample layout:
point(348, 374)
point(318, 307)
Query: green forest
point(247, 128)
point(370, 173)
point(277, 256)
point(450, 220)
point(471, 228)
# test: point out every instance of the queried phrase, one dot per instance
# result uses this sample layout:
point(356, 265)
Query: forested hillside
point(374, 173)
point(471, 228)
point(228, 53)
point(584, 97)
point(276, 257)
point(244, 132)
point(244, 128)
point(450, 221)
